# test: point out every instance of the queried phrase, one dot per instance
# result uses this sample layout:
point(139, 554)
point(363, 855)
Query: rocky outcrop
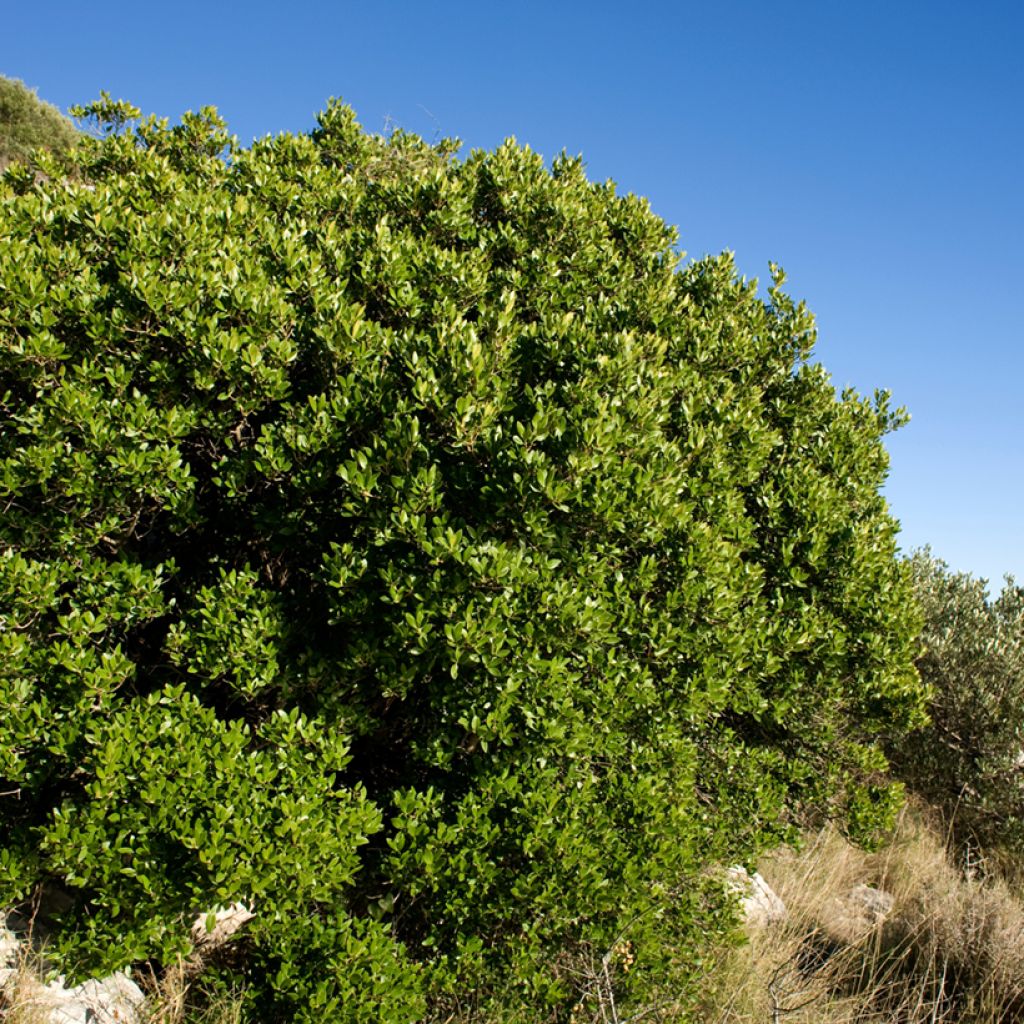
point(115, 999)
point(112, 1000)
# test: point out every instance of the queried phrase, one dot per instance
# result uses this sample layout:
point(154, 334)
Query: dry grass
point(951, 950)
point(170, 999)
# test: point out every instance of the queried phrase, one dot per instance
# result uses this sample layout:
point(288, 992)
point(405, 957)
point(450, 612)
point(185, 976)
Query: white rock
point(56, 1004)
point(761, 905)
point(8, 946)
point(848, 919)
point(873, 902)
point(226, 921)
point(112, 1000)
point(9, 952)
point(49, 1003)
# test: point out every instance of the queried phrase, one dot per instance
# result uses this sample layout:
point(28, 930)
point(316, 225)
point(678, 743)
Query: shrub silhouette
point(413, 547)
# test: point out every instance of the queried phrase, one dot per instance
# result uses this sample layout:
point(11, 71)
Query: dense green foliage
point(970, 760)
point(28, 123)
point(413, 546)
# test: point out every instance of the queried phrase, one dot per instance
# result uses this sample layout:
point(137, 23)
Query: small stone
point(226, 921)
point(876, 904)
point(9, 946)
point(761, 905)
point(848, 919)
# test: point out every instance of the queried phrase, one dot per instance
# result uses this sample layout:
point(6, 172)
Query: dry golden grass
point(171, 998)
point(951, 949)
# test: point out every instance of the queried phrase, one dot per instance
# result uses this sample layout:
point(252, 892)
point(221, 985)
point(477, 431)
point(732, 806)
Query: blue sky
point(875, 150)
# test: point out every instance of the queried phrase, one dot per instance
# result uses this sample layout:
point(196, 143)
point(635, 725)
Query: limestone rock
point(112, 1000)
point(761, 905)
point(875, 903)
point(225, 922)
point(9, 951)
point(8, 946)
point(847, 919)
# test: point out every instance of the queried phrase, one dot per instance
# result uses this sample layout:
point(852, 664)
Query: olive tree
point(28, 123)
point(969, 761)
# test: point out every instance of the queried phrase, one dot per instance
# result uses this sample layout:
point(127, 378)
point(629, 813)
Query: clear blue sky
point(875, 150)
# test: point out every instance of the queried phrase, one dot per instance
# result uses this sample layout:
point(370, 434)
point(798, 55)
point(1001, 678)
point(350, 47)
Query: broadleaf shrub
point(414, 546)
point(969, 761)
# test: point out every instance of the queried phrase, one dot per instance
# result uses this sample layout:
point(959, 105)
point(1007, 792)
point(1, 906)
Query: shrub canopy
point(415, 547)
point(28, 123)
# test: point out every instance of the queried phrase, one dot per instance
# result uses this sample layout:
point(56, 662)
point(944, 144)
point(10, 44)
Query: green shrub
point(969, 762)
point(28, 123)
point(413, 546)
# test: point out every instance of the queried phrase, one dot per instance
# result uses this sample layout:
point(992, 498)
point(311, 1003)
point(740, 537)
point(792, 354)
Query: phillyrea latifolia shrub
point(416, 547)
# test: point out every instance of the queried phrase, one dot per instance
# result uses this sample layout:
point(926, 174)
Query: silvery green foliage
point(413, 546)
point(970, 759)
point(29, 124)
